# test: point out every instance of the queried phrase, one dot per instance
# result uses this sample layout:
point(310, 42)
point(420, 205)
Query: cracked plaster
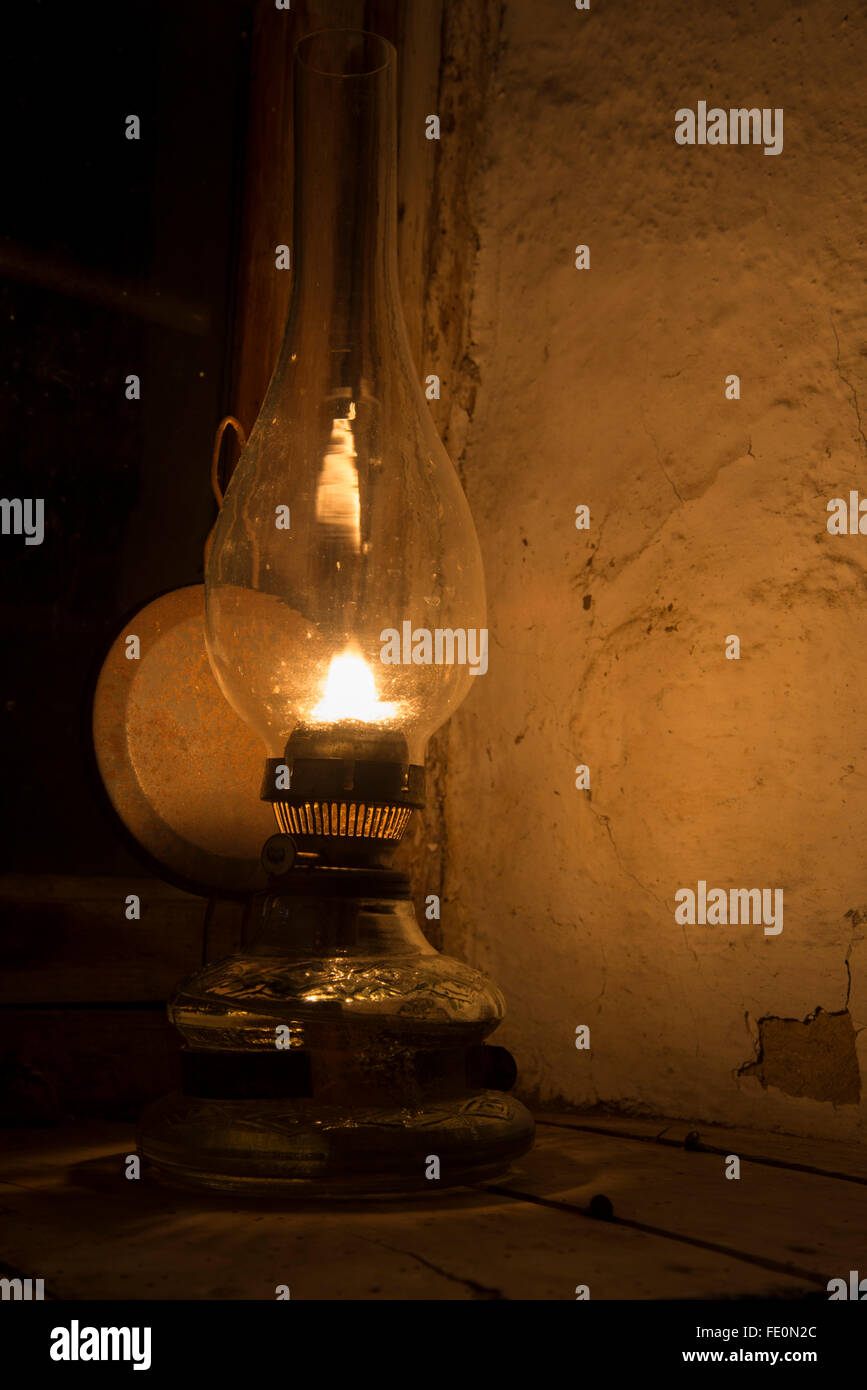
point(606, 387)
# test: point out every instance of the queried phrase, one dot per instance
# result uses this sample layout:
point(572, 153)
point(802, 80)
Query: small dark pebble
point(600, 1207)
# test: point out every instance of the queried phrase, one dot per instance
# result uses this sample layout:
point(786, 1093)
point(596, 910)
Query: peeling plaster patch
point(814, 1058)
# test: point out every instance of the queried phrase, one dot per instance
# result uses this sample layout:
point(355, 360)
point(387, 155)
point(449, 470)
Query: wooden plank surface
point(70, 1217)
point(794, 1151)
point(809, 1225)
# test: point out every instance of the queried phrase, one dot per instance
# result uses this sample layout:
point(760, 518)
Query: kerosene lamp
point(338, 1052)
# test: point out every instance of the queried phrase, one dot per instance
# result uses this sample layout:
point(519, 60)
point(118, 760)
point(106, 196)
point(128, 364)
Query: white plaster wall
point(606, 387)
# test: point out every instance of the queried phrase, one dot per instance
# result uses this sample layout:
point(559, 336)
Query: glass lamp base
point(292, 1148)
point(338, 1054)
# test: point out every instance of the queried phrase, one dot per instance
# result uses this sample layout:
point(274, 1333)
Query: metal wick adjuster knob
point(278, 854)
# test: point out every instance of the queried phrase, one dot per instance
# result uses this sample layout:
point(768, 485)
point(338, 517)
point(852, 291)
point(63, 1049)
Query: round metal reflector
point(181, 769)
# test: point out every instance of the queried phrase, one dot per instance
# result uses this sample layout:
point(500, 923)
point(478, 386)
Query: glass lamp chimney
point(344, 525)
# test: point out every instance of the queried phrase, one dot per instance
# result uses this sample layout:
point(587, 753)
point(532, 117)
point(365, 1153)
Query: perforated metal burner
point(350, 819)
point(344, 791)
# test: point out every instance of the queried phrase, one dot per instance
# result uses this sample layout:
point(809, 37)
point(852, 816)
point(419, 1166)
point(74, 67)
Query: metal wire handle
point(218, 446)
point(215, 465)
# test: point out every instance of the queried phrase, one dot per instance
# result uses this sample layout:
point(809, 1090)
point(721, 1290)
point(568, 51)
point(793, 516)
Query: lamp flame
point(350, 693)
